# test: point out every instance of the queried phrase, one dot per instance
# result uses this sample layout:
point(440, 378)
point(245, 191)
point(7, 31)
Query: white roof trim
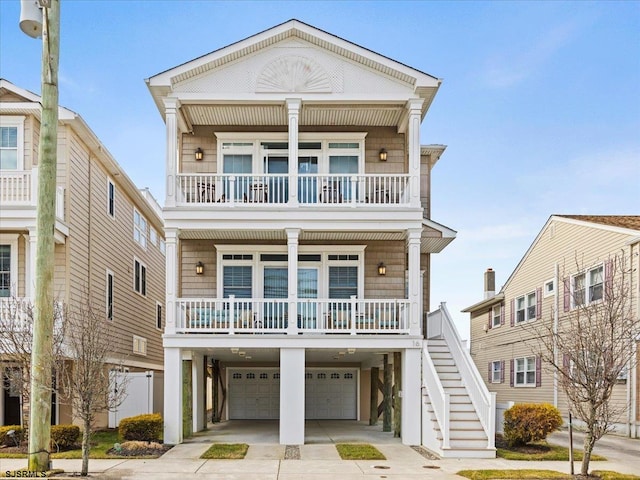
point(602, 226)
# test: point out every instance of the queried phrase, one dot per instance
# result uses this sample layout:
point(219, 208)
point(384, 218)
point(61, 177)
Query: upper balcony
point(342, 190)
point(19, 199)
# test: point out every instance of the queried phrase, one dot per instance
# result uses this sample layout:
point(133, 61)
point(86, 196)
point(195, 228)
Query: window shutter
point(511, 372)
point(512, 312)
point(608, 280)
point(490, 374)
point(501, 371)
point(566, 363)
point(538, 371)
point(567, 295)
point(502, 314)
point(490, 321)
point(538, 303)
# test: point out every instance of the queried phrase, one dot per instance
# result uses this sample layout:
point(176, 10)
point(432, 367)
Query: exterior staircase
point(458, 411)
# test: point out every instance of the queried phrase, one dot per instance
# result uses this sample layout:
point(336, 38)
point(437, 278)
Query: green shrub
point(9, 441)
point(63, 437)
point(530, 422)
point(147, 428)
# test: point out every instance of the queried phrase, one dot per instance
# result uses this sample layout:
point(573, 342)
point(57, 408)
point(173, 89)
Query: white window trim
point(257, 152)
point(11, 239)
point(545, 292)
point(525, 298)
point(493, 371)
point(158, 304)
point(16, 121)
point(323, 250)
point(494, 316)
point(142, 264)
point(587, 285)
point(144, 234)
point(153, 233)
point(106, 294)
point(525, 371)
point(110, 183)
point(163, 247)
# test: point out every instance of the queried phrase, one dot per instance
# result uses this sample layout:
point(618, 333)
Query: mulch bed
point(530, 449)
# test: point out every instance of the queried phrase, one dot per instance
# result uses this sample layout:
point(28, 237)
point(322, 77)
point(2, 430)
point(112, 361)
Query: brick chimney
point(489, 283)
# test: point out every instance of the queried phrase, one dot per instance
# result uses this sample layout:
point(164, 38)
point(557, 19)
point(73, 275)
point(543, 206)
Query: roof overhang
point(487, 302)
point(328, 110)
point(435, 237)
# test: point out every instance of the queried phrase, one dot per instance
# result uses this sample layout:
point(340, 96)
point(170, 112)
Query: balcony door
point(276, 287)
point(240, 164)
point(308, 182)
point(277, 182)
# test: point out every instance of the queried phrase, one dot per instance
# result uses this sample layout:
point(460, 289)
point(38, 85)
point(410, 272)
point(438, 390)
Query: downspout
point(556, 310)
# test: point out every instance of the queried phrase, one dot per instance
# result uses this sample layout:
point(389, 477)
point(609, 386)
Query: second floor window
point(526, 307)
point(496, 316)
point(109, 295)
point(139, 229)
point(5, 270)
point(588, 286)
point(139, 277)
point(111, 198)
point(9, 148)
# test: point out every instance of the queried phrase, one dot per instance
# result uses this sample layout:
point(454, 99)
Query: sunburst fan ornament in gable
point(293, 74)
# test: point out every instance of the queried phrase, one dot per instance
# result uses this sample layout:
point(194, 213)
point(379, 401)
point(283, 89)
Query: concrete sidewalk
point(321, 461)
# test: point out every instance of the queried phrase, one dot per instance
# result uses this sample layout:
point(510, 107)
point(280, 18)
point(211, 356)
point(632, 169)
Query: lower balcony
point(313, 316)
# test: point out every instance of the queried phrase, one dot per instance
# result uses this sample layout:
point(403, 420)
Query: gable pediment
point(294, 66)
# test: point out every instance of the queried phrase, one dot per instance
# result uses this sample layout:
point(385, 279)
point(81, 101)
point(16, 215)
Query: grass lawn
point(538, 451)
point(538, 474)
point(226, 451)
point(359, 451)
point(513, 474)
point(101, 442)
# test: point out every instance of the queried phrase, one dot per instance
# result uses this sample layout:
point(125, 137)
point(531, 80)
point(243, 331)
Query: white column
point(415, 290)
point(411, 396)
point(415, 113)
point(171, 123)
point(292, 249)
point(30, 280)
point(172, 396)
point(171, 264)
point(292, 396)
point(198, 382)
point(293, 110)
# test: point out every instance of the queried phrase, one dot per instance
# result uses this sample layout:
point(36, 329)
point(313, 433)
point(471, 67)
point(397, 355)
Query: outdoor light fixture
point(199, 268)
point(199, 154)
point(382, 269)
point(351, 351)
point(234, 350)
point(383, 155)
point(242, 354)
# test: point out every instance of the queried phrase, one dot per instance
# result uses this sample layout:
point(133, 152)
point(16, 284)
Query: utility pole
point(41, 356)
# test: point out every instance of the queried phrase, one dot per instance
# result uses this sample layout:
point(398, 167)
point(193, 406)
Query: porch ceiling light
point(383, 155)
point(199, 268)
point(248, 357)
point(199, 154)
point(351, 351)
point(242, 354)
point(382, 269)
point(234, 350)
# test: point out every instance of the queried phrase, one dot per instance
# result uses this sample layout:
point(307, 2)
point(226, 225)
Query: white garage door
point(254, 394)
point(331, 394)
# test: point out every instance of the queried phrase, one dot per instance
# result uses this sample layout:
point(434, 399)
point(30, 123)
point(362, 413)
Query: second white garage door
point(330, 394)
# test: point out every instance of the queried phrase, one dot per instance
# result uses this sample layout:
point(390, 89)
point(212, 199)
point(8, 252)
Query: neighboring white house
point(298, 244)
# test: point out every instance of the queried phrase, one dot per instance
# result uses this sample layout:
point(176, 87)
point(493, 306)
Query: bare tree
point(90, 343)
point(16, 337)
point(593, 345)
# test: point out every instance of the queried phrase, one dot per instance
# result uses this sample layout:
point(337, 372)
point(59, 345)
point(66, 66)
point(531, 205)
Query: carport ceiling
point(320, 355)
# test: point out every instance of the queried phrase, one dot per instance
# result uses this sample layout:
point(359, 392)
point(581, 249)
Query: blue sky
point(539, 106)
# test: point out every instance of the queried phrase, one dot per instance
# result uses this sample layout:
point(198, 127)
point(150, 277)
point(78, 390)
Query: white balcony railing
point(261, 315)
point(272, 189)
point(18, 187)
point(16, 315)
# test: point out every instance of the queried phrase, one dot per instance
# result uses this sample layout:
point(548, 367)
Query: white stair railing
point(441, 324)
point(440, 402)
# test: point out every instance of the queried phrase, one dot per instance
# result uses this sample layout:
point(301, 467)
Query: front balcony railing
point(19, 188)
point(274, 189)
point(261, 315)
